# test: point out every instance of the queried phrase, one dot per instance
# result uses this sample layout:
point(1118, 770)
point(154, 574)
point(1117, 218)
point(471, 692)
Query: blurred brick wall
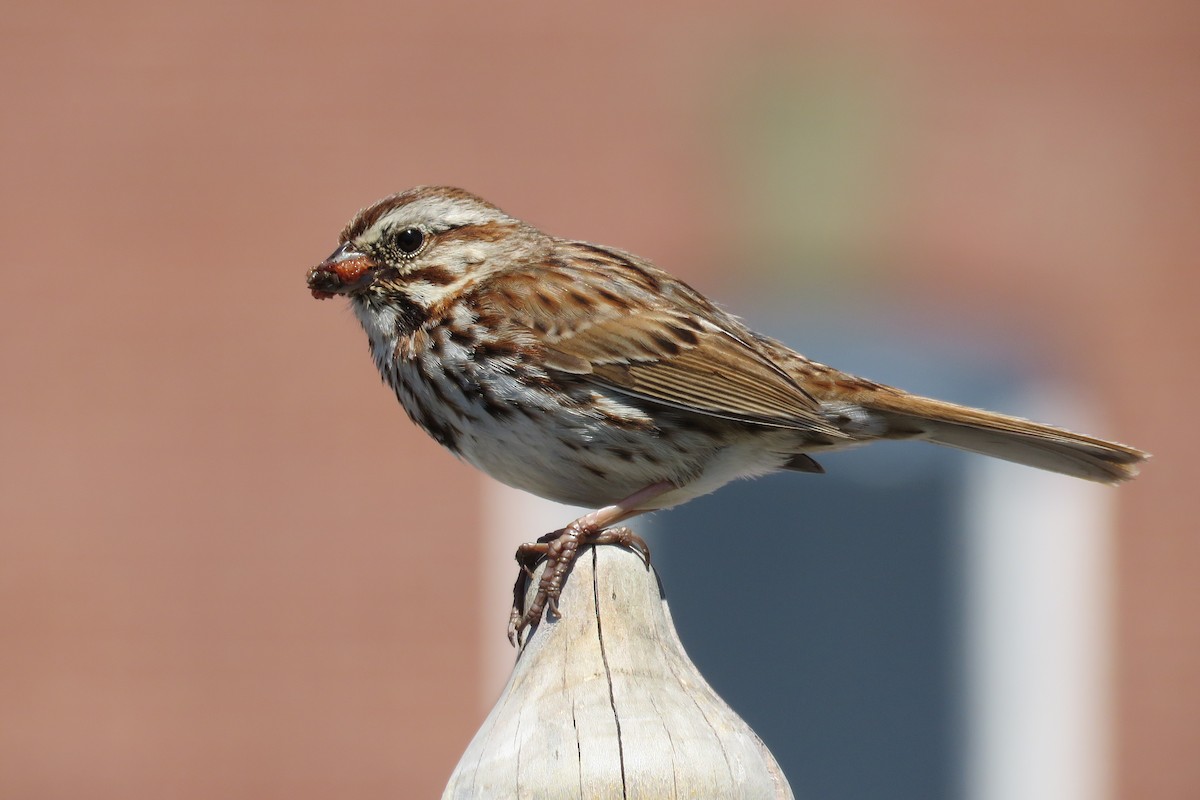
point(230, 567)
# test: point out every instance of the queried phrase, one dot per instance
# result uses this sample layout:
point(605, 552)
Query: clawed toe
point(560, 549)
point(625, 538)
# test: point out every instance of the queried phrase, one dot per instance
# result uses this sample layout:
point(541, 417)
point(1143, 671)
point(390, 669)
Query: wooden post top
point(604, 703)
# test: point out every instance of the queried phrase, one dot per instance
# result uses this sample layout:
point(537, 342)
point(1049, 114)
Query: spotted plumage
point(587, 375)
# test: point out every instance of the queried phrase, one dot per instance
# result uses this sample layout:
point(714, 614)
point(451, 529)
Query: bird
point(586, 375)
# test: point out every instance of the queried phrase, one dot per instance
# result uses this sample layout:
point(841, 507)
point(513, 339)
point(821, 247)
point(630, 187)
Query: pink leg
point(561, 548)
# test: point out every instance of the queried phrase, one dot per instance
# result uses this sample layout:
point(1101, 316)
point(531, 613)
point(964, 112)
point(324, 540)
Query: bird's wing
point(608, 318)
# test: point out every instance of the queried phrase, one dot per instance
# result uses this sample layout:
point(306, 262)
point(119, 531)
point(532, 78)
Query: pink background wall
point(230, 567)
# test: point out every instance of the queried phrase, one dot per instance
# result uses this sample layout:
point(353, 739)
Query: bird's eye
point(410, 241)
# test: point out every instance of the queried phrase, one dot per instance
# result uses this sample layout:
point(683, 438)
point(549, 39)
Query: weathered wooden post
point(604, 703)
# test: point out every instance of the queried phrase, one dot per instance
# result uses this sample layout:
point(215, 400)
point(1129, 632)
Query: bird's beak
point(345, 270)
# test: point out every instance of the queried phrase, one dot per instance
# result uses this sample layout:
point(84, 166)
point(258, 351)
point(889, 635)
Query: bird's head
point(419, 246)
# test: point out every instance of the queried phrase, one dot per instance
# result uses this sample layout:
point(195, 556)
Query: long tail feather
point(1009, 438)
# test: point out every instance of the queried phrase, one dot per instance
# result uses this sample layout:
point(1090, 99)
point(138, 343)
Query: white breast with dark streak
point(561, 446)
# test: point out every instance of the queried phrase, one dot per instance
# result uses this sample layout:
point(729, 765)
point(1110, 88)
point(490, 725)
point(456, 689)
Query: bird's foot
point(560, 549)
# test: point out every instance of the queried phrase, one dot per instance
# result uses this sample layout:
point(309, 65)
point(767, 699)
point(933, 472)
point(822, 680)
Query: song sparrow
point(586, 375)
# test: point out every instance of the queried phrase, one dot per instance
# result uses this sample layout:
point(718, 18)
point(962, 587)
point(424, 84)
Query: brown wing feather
point(617, 321)
point(709, 371)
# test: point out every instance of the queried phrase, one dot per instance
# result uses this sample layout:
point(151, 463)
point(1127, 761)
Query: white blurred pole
point(1038, 574)
point(511, 517)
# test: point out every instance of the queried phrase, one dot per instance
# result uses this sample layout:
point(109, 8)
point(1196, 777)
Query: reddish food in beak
point(340, 273)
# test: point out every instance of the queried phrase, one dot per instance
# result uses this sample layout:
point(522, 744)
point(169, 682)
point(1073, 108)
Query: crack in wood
point(612, 698)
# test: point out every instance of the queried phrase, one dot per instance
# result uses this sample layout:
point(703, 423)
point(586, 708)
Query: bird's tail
point(1009, 438)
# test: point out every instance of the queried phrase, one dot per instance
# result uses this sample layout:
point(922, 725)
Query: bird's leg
point(561, 547)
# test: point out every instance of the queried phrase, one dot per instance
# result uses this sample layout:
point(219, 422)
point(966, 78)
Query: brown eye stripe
point(434, 274)
point(484, 232)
